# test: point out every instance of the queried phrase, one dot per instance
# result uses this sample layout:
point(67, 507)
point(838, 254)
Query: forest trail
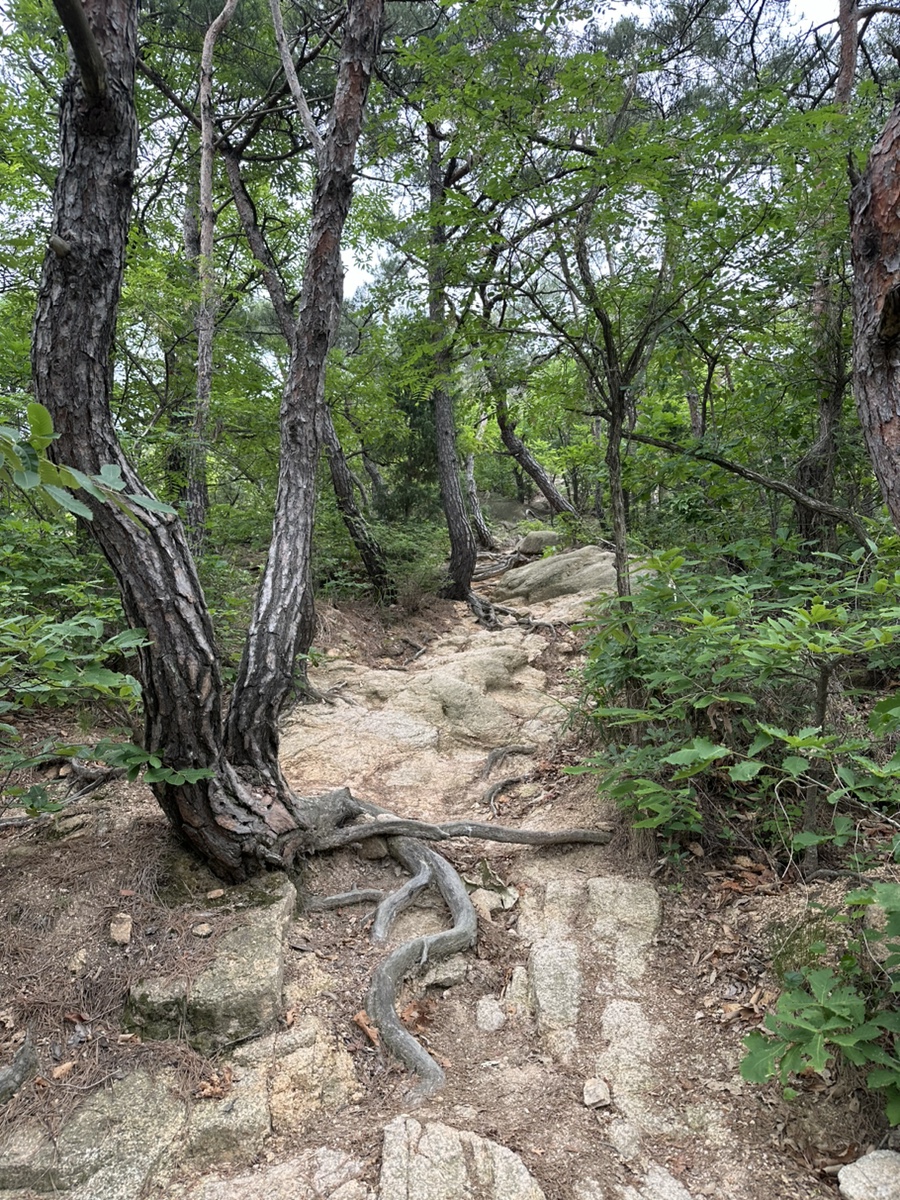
point(591, 1041)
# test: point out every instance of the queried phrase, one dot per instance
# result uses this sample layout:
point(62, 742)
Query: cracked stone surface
point(239, 996)
point(111, 1145)
point(435, 1162)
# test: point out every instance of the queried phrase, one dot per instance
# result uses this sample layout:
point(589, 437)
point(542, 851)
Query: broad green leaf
point(68, 502)
point(760, 1062)
point(151, 503)
point(41, 426)
point(743, 771)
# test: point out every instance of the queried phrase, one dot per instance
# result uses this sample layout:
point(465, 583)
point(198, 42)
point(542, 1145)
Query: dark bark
point(523, 456)
point(267, 666)
point(463, 552)
point(875, 250)
point(197, 487)
point(235, 825)
point(87, 54)
point(370, 552)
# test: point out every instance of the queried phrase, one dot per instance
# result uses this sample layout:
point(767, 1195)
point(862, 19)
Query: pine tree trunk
point(526, 460)
point(463, 552)
point(875, 248)
point(370, 552)
point(483, 535)
point(237, 819)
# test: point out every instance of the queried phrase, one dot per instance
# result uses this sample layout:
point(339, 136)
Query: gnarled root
point(413, 955)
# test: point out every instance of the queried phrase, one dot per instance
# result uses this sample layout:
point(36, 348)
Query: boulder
point(587, 570)
point(875, 1176)
point(239, 995)
point(537, 541)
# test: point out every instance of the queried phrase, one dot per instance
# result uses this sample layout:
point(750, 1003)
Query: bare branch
point(290, 74)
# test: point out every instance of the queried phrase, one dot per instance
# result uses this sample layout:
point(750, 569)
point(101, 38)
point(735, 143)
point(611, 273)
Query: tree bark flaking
point(875, 250)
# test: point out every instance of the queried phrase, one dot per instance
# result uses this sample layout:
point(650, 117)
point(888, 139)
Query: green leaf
point(794, 765)
point(760, 1062)
point(68, 502)
point(111, 476)
point(760, 742)
point(151, 503)
point(743, 771)
point(41, 425)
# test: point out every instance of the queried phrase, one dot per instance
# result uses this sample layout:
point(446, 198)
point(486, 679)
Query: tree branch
point(84, 47)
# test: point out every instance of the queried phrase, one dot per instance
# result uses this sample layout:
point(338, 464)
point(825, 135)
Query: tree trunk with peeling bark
point(525, 459)
point(463, 552)
point(241, 815)
point(367, 546)
point(875, 249)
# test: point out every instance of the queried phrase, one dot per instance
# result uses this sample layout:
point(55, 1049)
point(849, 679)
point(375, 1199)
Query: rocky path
point(575, 1071)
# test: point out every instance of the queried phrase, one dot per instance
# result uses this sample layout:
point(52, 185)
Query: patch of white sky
point(804, 14)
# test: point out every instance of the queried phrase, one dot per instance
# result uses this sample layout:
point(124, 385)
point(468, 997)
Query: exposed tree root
point(483, 611)
point(404, 838)
point(490, 794)
point(391, 827)
point(413, 955)
point(344, 899)
point(500, 754)
point(394, 904)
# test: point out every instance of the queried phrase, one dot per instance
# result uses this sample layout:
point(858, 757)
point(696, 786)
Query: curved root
point(413, 955)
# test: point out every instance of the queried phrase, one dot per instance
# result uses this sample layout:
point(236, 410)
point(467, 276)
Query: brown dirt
point(64, 878)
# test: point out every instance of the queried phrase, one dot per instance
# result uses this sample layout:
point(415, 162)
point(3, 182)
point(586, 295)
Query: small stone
point(203, 930)
point(625, 1139)
point(78, 961)
point(215, 894)
point(120, 929)
point(489, 1016)
point(588, 1189)
point(450, 972)
point(596, 1093)
point(518, 993)
point(372, 848)
point(875, 1176)
point(485, 902)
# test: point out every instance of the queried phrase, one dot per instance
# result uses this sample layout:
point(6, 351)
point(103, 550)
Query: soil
point(725, 921)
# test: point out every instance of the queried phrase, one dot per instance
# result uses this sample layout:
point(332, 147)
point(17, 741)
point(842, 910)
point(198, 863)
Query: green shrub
point(709, 695)
point(843, 1014)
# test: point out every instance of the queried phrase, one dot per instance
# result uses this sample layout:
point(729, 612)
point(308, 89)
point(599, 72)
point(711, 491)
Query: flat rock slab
point(625, 915)
point(239, 996)
point(316, 1174)
point(658, 1185)
point(437, 1162)
point(107, 1151)
point(425, 729)
point(555, 978)
point(875, 1176)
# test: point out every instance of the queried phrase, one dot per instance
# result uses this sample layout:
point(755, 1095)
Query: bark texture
point(463, 551)
point(367, 546)
point(241, 815)
point(267, 666)
point(875, 249)
point(197, 494)
point(525, 459)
